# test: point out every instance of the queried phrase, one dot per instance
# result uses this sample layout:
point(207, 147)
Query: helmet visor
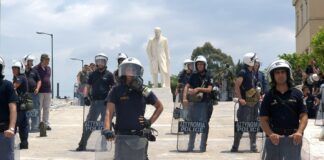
point(129, 69)
point(189, 66)
point(101, 62)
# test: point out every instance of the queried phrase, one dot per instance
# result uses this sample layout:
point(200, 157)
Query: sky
point(83, 28)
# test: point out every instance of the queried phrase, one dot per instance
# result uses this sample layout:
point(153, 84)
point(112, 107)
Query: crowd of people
point(274, 99)
point(312, 80)
point(271, 99)
point(24, 102)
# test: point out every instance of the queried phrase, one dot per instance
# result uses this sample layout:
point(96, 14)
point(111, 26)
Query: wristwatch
point(12, 129)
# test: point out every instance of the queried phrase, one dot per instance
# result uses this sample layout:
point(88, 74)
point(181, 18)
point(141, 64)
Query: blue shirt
point(197, 80)
point(101, 83)
point(262, 81)
point(7, 95)
point(183, 77)
point(248, 81)
point(129, 106)
point(23, 87)
point(283, 116)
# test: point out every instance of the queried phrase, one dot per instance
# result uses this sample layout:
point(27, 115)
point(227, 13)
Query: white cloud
point(278, 34)
point(111, 41)
point(8, 3)
point(143, 12)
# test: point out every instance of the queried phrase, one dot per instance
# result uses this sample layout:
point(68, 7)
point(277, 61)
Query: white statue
point(158, 53)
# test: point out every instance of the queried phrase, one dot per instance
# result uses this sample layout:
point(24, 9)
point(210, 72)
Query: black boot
point(23, 145)
point(81, 148)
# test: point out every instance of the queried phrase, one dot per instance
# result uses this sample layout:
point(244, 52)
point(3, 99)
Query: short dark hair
point(44, 56)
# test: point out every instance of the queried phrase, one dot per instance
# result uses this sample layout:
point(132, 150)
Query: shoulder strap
point(282, 102)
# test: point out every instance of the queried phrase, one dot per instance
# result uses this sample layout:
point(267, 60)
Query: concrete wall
point(303, 39)
point(316, 9)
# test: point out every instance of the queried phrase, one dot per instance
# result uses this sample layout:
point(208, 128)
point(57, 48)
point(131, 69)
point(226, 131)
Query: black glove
point(87, 101)
point(108, 134)
point(145, 122)
point(176, 113)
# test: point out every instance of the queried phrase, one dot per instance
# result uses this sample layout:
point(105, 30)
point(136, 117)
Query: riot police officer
point(282, 111)
point(196, 97)
point(128, 100)
point(121, 57)
point(248, 98)
point(261, 80)
point(100, 82)
point(183, 76)
point(21, 86)
point(34, 84)
point(8, 116)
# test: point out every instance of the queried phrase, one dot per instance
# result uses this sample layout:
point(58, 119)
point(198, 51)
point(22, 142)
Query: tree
point(302, 60)
point(297, 60)
point(318, 48)
point(217, 61)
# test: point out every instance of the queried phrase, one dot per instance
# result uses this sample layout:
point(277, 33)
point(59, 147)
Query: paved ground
point(67, 126)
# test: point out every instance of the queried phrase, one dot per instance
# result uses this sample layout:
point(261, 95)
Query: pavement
point(66, 123)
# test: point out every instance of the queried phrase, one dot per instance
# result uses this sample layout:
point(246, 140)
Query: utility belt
point(130, 132)
point(97, 98)
point(3, 127)
point(285, 132)
point(145, 133)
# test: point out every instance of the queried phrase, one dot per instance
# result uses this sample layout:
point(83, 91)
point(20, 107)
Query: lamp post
point(77, 59)
point(52, 64)
point(81, 60)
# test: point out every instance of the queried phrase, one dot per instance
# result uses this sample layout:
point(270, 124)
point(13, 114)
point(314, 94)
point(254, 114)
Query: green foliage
point(302, 60)
point(174, 82)
point(217, 61)
point(318, 48)
point(297, 60)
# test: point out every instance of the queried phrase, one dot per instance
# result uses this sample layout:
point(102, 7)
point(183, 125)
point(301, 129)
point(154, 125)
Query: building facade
point(309, 19)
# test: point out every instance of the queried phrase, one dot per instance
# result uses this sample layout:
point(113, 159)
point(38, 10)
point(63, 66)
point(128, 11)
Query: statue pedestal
point(165, 96)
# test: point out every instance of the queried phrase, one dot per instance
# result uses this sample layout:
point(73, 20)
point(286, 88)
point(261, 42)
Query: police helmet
point(279, 64)
point(201, 58)
point(27, 58)
point(186, 64)
point(101, 57)
point(249, 58)
point(132, 64)
point(312, 78)
point(20, 65)
point(121, 56)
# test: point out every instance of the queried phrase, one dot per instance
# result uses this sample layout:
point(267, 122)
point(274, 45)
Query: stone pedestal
point(165, 96)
